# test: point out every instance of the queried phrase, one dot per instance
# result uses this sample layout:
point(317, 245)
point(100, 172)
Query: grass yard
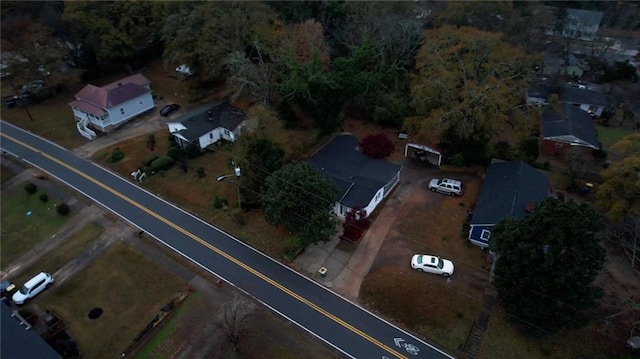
point(129, 287)
point(21, 232)
point(503, 339)
point(52, 119)
point(196, 195)
point(63, 253)
point(610, 135)
point(6, 174)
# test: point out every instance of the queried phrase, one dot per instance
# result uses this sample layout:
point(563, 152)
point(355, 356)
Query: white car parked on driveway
point(32, 287)
point(432, 264)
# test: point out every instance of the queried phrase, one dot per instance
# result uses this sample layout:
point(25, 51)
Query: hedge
point(162, 163)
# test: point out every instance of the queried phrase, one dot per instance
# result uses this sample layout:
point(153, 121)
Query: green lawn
point(610, 135)
point(62, 254)
point(130, 289)
point(21, 231)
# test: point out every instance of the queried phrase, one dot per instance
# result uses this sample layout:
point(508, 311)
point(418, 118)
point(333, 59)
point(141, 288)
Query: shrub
point(200, 172)
point(193, 151)
point(63, 209)
point(600, 154)
point(219, 202)
point(175, 153)
point(377, 146)
point(146, 161)
point(530, 149)
point(355, 223)
point(44, 198)
point(162, 163)
point(117, 155)
point(502, 150)
point(31, 188)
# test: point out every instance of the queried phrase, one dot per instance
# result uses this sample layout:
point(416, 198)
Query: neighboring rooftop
point(357, 177)
point(508, 190)
point(568, 94)
point(18, 342)
point(207, 118)
point(569, 121)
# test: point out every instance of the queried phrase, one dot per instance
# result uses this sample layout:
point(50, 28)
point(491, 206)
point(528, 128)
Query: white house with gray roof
point(104, 108)
point(361, 181)
point(578, 24)
point(208, 124)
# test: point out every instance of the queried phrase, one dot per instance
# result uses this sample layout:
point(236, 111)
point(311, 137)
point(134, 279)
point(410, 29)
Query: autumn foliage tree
point(355, 224)
point(468, 83)
point(377, 146)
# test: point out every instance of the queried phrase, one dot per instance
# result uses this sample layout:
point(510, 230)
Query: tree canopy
point(618, 194)
point(302, 200)
point(547, 263)
point(260, 157)
point(468, 82)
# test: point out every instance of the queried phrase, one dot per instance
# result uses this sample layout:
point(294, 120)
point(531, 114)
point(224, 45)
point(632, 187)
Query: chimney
point(210, 118)
point(119, 84)
point(529, 207)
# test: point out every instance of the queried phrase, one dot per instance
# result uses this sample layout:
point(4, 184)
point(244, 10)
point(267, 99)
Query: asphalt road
point(345, 326)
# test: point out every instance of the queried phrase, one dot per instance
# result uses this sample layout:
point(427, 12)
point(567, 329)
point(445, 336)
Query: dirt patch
point(430, 223)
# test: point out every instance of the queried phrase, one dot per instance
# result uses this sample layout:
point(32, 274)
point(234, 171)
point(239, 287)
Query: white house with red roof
point(104, 108)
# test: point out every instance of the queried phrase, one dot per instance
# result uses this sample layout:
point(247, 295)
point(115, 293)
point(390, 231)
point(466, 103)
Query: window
point(485, 235)
point(226, 132)
point(559, 144)
point(122, 111)
point(211, 135)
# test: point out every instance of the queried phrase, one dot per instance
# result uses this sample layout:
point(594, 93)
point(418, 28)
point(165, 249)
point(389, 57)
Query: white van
point(32, 287)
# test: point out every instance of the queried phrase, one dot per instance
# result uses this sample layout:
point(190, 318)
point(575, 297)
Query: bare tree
point(627, 236)
point(232, 319)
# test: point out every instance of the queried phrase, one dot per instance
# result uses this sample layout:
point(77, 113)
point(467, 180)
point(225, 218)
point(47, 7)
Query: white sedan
point(432, 264)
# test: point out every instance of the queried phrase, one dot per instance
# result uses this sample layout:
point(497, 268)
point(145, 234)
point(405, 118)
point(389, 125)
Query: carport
point(423, 153)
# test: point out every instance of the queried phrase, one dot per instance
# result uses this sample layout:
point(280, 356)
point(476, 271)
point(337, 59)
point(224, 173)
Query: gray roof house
point(19, 341)
point(570, 126)
point(510, 189)
point(592, 102)
point(208, 124)
point(361, 181)
point(578, 24)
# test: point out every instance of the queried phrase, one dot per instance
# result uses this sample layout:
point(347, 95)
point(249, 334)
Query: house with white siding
point(104, 108)
point(362, 182)
point(208, 124)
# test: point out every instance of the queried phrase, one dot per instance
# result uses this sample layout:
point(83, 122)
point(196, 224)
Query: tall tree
point(203, 35)
point(260, 158)
point(547, 263)
point(115, 30)
point(469, 82)
point(302, 200)
point(619, 196)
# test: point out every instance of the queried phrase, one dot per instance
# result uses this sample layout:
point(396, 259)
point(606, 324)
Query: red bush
point(355, 223)
point(377, 146)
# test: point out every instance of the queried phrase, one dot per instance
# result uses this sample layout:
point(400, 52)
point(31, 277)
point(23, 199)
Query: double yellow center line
point(216, 250)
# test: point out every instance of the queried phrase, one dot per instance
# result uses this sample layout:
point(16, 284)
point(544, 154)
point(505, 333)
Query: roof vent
point(210, 116)
point(119, 84)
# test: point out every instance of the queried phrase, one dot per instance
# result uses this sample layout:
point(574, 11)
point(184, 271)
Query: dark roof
point(587, 17)
point(17, 342)
point(568, 94)
point(199, 122)
point(356, 176)
point(507, 189)
point(571, 121)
